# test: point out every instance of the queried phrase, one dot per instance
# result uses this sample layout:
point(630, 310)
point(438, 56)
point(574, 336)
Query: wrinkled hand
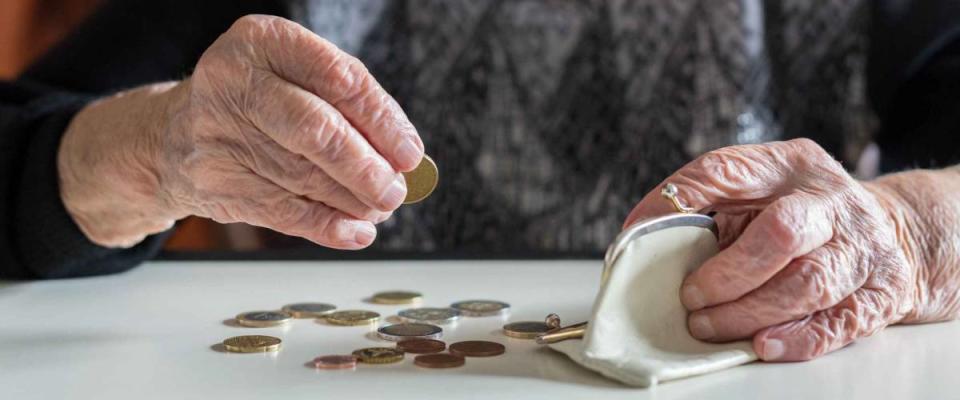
point(811, 259)
point(276, 127)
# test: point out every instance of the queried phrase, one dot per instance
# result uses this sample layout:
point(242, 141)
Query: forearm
point(925, 208)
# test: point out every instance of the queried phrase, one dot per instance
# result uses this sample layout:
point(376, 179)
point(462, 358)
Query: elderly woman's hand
point(276, 127)
point(811, 259)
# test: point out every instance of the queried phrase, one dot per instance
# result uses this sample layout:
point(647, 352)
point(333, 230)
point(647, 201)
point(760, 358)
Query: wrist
point(110, 163)
point(889, 192)
point(921, 208)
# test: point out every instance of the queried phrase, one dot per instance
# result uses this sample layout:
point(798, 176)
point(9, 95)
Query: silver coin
point(263, 318)
point(433, 315)
point(403, 331)
point(309, 310)
point(481, 308)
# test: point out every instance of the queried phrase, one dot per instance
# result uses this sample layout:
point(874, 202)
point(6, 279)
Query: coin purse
point(637, 332)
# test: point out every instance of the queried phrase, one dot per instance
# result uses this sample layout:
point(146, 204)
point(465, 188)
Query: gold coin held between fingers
point(263, 319)
point(251, 344)
point(352, 317)
point(378, 355)
point(397, 297)
point(421, 181)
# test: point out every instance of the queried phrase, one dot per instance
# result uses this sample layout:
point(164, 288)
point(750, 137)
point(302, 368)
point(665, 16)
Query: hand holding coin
point(257, 135)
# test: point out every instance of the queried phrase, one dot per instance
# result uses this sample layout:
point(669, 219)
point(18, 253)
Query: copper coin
point(438, 361)
point(335, 362)
point(421, 346)
point(477, 348)
point(409, 330)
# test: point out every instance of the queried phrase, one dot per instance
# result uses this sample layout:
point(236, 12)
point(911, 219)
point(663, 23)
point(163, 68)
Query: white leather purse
point(637, 333)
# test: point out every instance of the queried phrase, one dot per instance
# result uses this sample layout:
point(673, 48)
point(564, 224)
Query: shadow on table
point(9, 287)
point(554, 366)
point(550, 366)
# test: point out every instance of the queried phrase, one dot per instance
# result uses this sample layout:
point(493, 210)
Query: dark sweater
point(914, 88)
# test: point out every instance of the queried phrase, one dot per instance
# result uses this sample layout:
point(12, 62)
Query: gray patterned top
point(550, 119)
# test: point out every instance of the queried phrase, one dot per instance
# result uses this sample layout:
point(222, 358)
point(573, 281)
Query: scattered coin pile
point(418, 332)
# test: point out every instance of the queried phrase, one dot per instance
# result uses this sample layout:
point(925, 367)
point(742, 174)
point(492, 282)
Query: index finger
point(309, 61)
point(732, 179)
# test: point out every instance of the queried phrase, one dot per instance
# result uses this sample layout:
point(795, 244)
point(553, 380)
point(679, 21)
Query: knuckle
point(817, 289)
point(257, 25)
point(821, 340)
point(220, 212)
point(257, 87)
point(329, 228)
point(725, 169)
point(811, 337)
point(369, 174)
point(251, 26)
point(876, 307)
point(321, 135)
point(809, 155)
point(727, 276)
point(783, 229)
point(289, 215)
point(744, 318)
point(318, 185)
point(805, 145)
point(348, 79)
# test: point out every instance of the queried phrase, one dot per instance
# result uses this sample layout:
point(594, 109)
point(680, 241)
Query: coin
point(477, 348)
point(397, 297)
point(421, 346)
point(525, 329)
point(378, 355)
point(261, 319)
point(251, 344)
point(352, 317)
point(398, 332)
point(438, 361)
point(552, 321)
point(481, 308)
point(421, 181)
point(433, 315)
point(309, 310)
point(335, 362)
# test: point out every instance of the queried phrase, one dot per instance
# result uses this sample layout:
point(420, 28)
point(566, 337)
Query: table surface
point(152, 333)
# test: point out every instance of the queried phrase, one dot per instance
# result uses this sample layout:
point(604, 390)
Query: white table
point(150, 334)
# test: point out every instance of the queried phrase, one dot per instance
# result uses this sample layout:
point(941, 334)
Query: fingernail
point(772, 349)
point(700, 327)
point(408, 153)
point(394, 195)
point(365, 233)
point(692, 297)
point(383, 217)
